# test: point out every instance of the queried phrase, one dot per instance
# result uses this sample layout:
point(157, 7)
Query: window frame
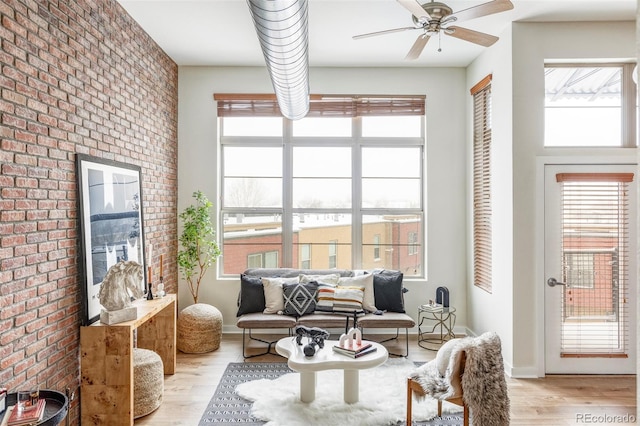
point(628, 124)
point(357, 143)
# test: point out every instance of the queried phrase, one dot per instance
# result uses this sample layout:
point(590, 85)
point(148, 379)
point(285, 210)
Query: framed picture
point(110, 201)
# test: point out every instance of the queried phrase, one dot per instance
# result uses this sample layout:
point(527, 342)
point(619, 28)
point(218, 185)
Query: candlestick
point(149, 293)
point(160, 290)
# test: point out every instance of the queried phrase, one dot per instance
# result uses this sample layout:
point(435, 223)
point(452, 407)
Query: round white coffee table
point(327, 359)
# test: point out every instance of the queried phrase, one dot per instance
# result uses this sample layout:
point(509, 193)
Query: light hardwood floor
point(551, 401)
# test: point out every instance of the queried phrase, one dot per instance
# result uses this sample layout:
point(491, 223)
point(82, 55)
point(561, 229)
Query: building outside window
point(305, 256)
point(413, 243)
point(376, 246)
point(333, 254)
point(263, 260)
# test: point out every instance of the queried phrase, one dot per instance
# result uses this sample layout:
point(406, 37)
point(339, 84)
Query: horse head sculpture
point(113, 292)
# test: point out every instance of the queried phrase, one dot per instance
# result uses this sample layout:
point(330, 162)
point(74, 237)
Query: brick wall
point(76, 77)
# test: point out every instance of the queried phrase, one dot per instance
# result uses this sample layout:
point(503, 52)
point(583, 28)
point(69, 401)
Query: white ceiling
point(221, 32)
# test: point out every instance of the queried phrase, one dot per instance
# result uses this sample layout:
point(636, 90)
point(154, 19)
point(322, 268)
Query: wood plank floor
point(551, 401)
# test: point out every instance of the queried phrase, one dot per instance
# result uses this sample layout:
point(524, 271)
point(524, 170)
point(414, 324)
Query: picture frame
point(111, 223)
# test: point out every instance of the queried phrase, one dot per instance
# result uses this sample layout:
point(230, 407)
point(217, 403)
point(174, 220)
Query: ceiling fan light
point(283, 32)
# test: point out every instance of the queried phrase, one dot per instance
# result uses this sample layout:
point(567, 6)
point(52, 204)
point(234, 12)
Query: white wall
point(494, 311)
point(446, 162)
point(517, 262)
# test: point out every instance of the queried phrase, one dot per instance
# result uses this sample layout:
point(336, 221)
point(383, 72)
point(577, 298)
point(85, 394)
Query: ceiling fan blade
point(417, 47)
point(377, 33)
point(476, 37)
point(495, 6)
point(416, 10)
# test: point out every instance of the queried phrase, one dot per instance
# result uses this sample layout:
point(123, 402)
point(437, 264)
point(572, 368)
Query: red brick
point(12, 310)
point(26, 250)
point(12, 359)
point(14, 193)
point(14, 240)
point(12, 216)
point(14, 170)
point(26, 317)
point(23, 204)
point(25, 227)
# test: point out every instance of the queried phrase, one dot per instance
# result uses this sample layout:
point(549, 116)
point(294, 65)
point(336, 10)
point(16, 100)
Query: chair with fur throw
point(467, 372)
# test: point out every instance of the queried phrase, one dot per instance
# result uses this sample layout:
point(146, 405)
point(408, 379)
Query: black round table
point(54, 411)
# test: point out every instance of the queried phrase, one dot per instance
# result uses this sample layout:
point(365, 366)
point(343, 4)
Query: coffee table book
point(346, 352)
point(26, 417)
point(355, 347)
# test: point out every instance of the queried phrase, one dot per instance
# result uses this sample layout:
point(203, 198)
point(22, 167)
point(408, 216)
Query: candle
point(149, 274)
point(161, 259)
point(150, 254)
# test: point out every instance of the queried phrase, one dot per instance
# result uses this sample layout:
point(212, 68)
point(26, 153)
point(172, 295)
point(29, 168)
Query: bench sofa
point(266, 301)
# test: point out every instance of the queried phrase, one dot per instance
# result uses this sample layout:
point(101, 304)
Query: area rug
point(268, 394)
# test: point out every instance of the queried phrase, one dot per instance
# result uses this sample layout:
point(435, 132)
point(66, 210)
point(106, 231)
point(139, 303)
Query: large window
point(340, 188)
point(590, 105)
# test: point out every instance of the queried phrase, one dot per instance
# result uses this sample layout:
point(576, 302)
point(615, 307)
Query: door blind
point(595, 259)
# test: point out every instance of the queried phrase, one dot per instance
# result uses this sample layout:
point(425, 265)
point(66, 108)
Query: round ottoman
point(199, 329)
point(148, 381)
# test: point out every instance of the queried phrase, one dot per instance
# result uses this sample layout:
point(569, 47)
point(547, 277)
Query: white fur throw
point(483, 387)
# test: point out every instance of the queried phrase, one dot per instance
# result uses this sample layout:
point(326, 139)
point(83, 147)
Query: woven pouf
point(199, 329)
point(148, 381)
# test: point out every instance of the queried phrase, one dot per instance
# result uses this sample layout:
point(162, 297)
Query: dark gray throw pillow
point(251, 299)
point(387, 288)
point(300, 298)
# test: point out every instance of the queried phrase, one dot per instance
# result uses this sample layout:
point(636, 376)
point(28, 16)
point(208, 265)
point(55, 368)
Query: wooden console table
point(106, 360)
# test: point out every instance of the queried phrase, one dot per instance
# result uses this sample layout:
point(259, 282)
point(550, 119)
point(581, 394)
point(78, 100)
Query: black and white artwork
point(110, 198)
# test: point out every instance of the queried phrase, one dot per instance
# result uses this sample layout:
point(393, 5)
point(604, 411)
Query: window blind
point(266, 105)
point(482, 245)
point(595, 259)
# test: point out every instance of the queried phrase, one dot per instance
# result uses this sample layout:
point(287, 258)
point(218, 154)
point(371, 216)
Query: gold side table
point(441, 320)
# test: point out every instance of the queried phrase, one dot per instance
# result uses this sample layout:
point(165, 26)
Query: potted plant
point(199, 249)
point(199, 325)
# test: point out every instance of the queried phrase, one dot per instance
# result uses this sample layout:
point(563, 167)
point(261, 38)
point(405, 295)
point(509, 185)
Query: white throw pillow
point(444, 354)
point(273, 293)
point(327, 279)
point(366, 281)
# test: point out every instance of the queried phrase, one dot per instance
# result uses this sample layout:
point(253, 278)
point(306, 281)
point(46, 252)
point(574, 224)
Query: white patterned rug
point(268, 393)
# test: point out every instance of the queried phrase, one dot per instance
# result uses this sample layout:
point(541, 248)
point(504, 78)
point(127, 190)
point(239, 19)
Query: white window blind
point(595, 259)
point(482, 246)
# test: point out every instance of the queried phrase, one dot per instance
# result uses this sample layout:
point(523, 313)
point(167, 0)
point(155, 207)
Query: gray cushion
point(260, 320)
point(387, 287)
point(251, 297)
point(386, 320)
point(300, 298)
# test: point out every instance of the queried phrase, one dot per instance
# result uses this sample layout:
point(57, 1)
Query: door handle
point(552, 282)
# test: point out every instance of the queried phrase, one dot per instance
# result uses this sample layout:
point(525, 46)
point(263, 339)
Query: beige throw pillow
point(366, 281)
point(274, 294)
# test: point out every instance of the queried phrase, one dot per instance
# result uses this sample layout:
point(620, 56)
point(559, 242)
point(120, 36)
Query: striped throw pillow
point(339, 298)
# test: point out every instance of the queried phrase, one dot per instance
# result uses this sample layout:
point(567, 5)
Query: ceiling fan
point(435, 17)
